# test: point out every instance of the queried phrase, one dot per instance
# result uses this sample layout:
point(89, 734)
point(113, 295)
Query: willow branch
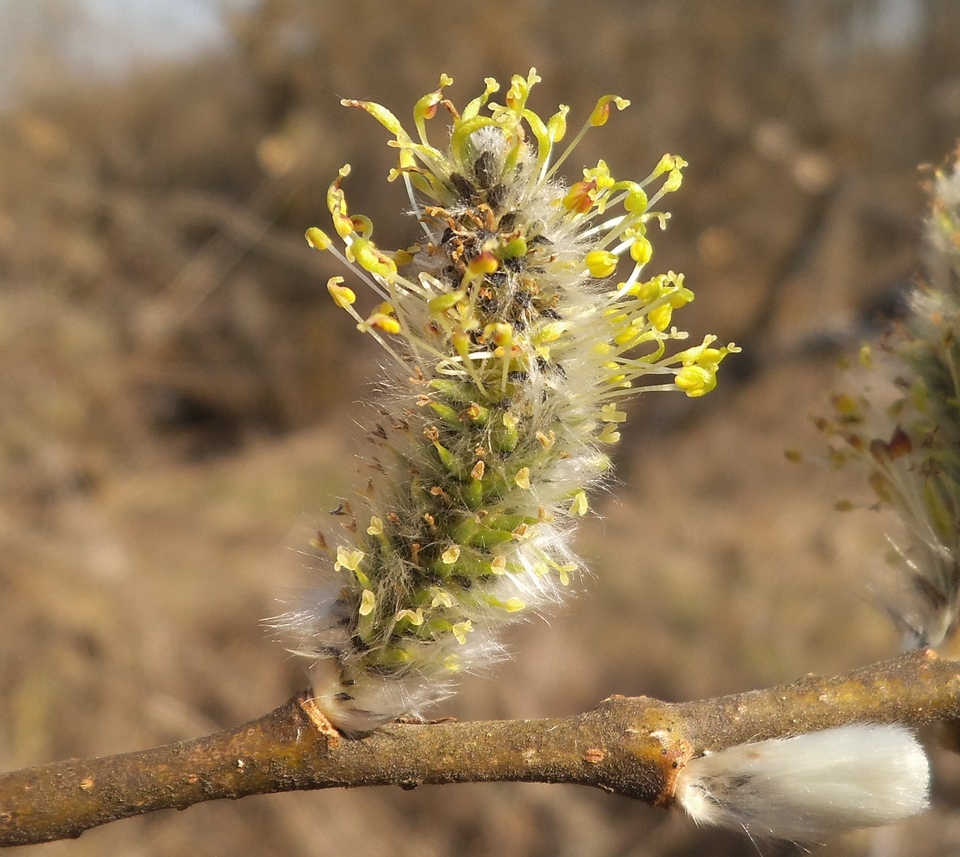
point(630, 746)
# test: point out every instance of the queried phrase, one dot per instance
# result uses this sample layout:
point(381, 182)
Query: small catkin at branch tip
point(810, 786)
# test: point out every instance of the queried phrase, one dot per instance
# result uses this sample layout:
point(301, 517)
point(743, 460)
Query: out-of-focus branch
point(630, 746)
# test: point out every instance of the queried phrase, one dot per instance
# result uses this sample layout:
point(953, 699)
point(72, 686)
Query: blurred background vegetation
point(177, 393)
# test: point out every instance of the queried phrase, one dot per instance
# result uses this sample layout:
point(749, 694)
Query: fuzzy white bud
point(811, 786)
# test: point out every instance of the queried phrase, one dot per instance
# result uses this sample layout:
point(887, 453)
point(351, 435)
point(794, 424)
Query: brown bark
point(631, 746)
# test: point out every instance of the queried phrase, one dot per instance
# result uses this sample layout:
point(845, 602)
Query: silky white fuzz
point(808, 787)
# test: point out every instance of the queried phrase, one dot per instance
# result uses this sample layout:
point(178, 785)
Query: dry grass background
point(177, 394)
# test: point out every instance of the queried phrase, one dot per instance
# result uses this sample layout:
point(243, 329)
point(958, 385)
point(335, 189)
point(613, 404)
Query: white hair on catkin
point(810, 786)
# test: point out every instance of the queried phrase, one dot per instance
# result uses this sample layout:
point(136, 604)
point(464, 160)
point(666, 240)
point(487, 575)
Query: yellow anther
point(342, 296)
point(414, 617)
point(441, 598)
point(672, 164)
point(402, 257)
point(551, 332)
point(600, 174)
point(641, 250)
point(610, 414)
point(547, 440)
point(636, 201)
point(609, 434)
point(648, 291)
point(461, 629)
point(317, 238)
point(348, 559)
point(380, 321)
point(499, 333)
point(660, 317)
point(696, 381)
point(482, 263)
point(579, 506)
point(367, 602)
point(601, 263)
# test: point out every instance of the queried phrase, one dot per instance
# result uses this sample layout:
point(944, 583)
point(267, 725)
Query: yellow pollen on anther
point(601, 263)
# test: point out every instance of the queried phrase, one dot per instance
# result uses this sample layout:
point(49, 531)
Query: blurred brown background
point(177, 393)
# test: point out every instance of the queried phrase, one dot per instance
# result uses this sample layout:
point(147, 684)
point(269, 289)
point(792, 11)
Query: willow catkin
point(512, 345)
point(903, 427)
